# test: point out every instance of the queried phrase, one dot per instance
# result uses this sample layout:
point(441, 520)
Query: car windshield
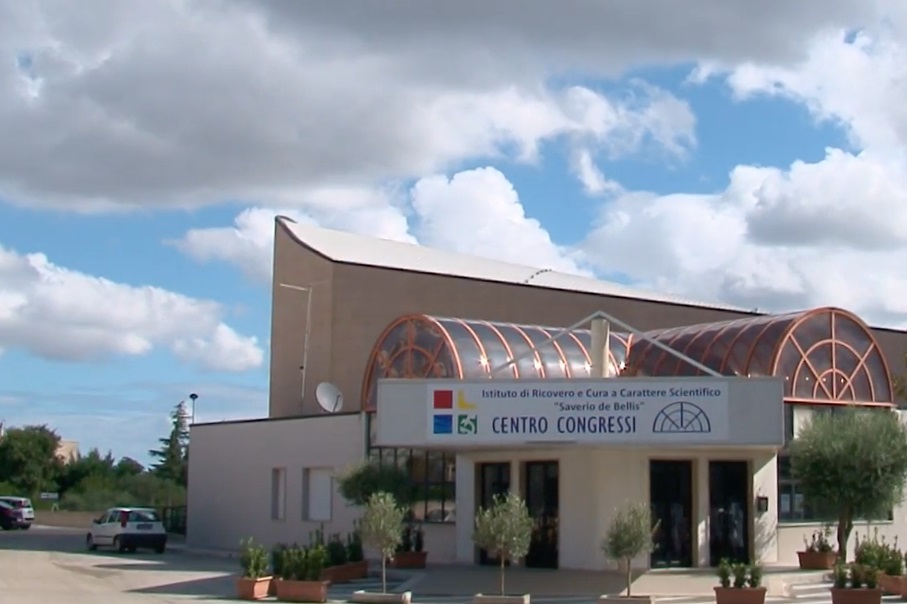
point(24, 503)
point(143, 516)
point(16, 502)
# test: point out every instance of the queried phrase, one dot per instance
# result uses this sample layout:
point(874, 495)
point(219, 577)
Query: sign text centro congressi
point(616, 410)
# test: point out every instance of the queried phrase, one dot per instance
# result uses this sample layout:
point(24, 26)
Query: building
point(352, 310)
point(68, 451)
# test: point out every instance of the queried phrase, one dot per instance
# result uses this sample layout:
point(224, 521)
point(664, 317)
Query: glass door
point(541, 487)
point(494, 479)
point(671, 499)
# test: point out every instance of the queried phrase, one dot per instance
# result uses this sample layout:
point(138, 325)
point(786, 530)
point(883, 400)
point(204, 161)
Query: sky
point(725, 150)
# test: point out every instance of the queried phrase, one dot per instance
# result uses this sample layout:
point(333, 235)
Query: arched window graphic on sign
point(682, 417)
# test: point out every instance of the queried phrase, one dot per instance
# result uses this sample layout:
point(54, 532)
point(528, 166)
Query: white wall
point(230, 467)
point(594, 482)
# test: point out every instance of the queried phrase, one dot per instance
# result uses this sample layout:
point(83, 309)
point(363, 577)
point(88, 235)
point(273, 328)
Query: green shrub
point(253, 560)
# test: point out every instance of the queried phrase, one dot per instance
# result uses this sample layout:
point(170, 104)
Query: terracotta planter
point(817, 560)
point(302, 591)
point(861, 595)
point(740, 595)
point(410, 559)
point(253, 589)
point(345, 573)
point(903, 587)
point(891, 585)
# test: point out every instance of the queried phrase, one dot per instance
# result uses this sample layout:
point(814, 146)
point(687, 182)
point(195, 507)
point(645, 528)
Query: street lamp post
point(193, 397)
point(308, 328)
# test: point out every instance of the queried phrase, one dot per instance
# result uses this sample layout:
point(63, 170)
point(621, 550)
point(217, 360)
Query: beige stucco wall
point(230, 477)
point(594, 482)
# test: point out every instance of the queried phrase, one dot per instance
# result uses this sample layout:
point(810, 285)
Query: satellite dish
point(329, 397)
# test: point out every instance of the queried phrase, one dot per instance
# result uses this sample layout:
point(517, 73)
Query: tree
point(172, 457)
point(380, 528)
point(900, 385)
point(28, 458)
point(359, 483)
point(851, 464)
point(127, 467)
point(93, 465)
point(629, 535)
point(504, 529)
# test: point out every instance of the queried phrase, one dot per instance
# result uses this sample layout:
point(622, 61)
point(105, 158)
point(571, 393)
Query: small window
point(144, 516)
point(317, 494)
point(278, 493)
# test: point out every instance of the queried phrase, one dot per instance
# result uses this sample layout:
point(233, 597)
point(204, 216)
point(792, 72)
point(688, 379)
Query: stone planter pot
point(410, 559)
point(740, 595)
point(817, 560)
point(248, 588)
point(371, 597)
point(861, 595)
point(302, 591)
point(345, 573)
point(891, 585)
point(489, 599)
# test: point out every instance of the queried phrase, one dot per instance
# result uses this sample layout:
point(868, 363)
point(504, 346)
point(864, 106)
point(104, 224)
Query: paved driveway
point(51, 566)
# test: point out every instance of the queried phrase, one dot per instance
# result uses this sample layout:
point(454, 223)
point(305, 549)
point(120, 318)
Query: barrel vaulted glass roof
point(825, 354)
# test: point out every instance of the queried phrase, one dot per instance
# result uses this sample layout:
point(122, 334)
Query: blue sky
point(718, 163)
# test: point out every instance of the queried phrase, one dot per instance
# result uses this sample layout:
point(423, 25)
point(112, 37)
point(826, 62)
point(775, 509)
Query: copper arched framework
point(424, 346)
point(824, 355)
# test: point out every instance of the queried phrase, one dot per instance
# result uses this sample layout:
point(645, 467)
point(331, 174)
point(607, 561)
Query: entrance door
point(541, 487)
point(671, 495)
point(729, 511)
point(494, 479)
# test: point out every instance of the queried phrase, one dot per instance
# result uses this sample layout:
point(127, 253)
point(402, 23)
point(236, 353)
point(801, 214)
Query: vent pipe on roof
point(600, 355)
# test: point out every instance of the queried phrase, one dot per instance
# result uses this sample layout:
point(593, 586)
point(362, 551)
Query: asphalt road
point(51, 566)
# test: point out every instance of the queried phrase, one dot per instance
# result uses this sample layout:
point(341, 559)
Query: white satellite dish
point(329, 397)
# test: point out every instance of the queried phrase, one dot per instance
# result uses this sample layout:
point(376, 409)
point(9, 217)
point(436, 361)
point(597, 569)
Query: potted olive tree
point(505, 531)
point(256, 576)
point(380, 529)
point(629, 535)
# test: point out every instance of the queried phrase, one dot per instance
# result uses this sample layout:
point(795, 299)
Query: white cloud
point(60, 314)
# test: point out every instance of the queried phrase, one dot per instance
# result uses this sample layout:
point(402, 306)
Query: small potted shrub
point(380, 529)
point(629, 535)
point(256, 576)
point(855, 584)
point(817, 554)
point(300, 579)
point(336, 570)
point(356, 555)
point(410, 553)
point(875, 552)
point(504, 530)
point(276, 566)
point(739, 584)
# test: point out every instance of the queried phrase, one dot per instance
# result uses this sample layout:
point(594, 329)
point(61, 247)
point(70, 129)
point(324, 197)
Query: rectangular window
point(317, 494)
point(432, 475)
point(278, 493)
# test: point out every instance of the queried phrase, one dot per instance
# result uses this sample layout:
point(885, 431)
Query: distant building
point(68, 451)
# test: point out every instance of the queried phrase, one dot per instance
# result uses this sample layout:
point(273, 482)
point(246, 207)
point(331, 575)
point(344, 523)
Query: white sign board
point(620, 411)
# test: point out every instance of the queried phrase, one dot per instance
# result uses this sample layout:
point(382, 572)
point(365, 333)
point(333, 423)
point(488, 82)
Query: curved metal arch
point(505, 343)
point(540, 367)
point(833, 313)
point(479, 343)
point(378, 348)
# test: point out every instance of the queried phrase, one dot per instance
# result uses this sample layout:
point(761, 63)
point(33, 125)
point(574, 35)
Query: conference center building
point(480, 377)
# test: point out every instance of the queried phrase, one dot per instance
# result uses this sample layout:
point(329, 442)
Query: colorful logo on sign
point(448, 414)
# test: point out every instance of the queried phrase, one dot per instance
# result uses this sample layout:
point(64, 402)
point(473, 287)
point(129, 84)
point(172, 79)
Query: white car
point(20, 513)
point(127, 529)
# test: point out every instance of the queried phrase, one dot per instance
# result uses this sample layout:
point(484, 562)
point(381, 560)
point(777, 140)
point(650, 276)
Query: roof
point(349, 248)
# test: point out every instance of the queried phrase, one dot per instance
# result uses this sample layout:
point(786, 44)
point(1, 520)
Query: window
point(278, 493)
point(317, 494)
point(432, 474)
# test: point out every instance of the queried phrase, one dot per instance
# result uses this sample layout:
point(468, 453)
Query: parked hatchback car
point(16, 512)
point(127, 529)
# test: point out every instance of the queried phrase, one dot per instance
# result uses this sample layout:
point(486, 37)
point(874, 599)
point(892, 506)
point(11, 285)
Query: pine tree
point(173, 456)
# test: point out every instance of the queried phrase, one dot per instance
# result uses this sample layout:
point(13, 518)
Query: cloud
point(61, 314)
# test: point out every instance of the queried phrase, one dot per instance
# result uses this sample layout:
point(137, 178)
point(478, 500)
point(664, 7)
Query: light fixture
point(483, 361)
point(537, 364)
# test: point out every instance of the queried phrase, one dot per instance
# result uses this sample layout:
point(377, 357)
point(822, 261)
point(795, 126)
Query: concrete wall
point(596, 482)
point(230, 477)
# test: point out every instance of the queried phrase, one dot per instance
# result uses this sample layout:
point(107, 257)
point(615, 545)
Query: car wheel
point(131, 549)
point(25, 527)
point(90, 544)
point(6, 527)
point(118, 544)
point(160, 549)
